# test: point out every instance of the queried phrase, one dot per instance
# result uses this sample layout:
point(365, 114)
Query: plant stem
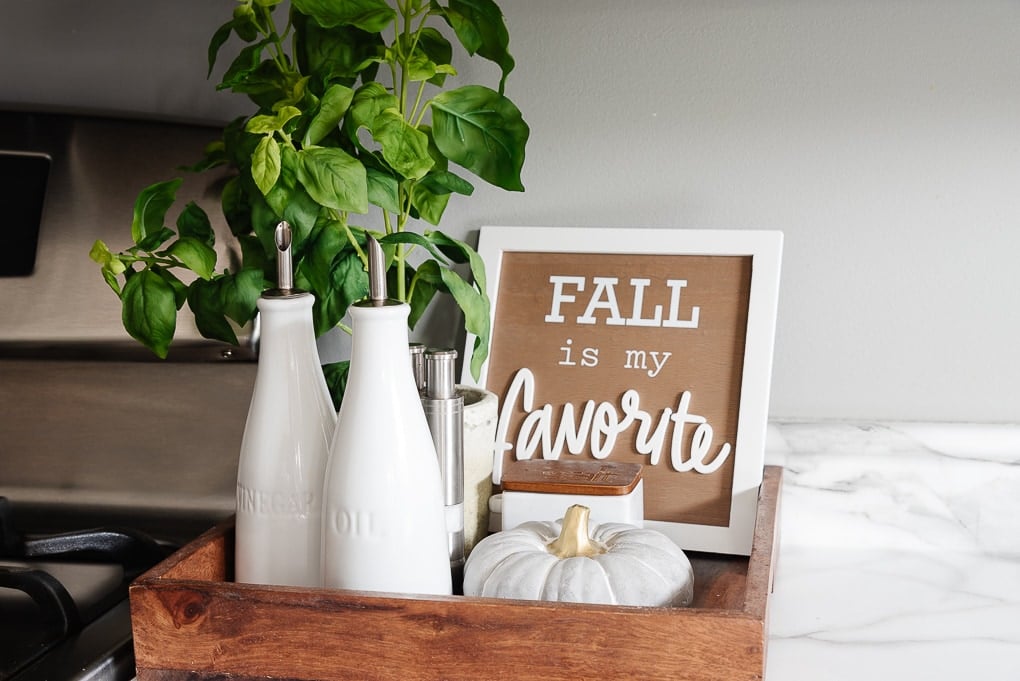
point(417, 102)
point(402, 97)
point(421, 114)
point(399, 255)
point(342, 219)
point(152, 260)
point(278, 53)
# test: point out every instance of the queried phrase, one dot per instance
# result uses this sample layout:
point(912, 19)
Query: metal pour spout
point(284, 263)
point(376, 272)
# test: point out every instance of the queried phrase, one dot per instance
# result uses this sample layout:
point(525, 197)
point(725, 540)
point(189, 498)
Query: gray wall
point(883, 138)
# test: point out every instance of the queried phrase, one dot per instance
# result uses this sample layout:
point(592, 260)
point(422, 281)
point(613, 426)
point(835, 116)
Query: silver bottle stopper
point(283, 237)
point(440, 369)
point(376, 272)
point(284, 262)
point(417, 351)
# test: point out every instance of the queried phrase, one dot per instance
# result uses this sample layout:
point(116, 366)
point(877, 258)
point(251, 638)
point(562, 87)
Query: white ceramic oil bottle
point(383, 516)
point(286, 442)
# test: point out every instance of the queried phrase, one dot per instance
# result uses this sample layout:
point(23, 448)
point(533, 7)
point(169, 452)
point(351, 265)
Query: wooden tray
point(191, 622)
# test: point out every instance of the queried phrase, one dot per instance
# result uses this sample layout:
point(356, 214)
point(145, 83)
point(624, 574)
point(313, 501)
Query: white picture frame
point(765, 251)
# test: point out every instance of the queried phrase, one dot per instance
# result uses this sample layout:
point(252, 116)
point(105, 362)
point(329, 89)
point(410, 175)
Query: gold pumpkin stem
point(574, 540)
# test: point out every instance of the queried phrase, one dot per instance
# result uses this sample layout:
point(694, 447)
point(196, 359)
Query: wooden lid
point(565, 476)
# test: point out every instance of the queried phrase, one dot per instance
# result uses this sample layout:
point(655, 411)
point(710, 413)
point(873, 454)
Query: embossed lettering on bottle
point(285, 444)
point(384, 526)
point(276, 503)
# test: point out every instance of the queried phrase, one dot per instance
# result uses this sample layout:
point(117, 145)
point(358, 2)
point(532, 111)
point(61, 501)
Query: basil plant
point(354, 115)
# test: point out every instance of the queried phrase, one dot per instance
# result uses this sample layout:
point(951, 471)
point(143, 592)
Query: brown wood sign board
point(639, 346)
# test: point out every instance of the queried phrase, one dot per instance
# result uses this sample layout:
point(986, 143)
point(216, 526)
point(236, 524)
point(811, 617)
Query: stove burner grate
point(62, 594)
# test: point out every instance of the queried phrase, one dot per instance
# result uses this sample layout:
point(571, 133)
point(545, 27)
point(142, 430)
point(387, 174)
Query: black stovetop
point(64, 611)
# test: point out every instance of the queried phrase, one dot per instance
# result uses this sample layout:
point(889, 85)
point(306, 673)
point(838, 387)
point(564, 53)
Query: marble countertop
point(900, 552)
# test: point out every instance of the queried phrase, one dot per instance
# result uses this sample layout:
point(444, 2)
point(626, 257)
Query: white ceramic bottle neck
point(286, 319)
point(379, 343)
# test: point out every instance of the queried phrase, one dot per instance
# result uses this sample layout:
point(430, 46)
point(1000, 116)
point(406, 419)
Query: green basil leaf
point(149, 311)
point(332, 107)
point(336, 380)
point(428, 205)
point(150, 209)
point(197, 256)
point(261, 125)
point(206, 303)
point(221, 36)
point(403, 147)
point(265, 164)
point(239, 294)
point(445, 182)
point(289, 200)
point(482, 131)
point(467, 33)
point(111, 265)
point(104, 257)
point(283, 191)
point(194, 222)
point(369, 101)
point(266, 124)
point(244, 23)
point(334, 179)
point(266, 85)
point(368, 15)
point(383, 190)
point(419, 68)
point(429, 272)
point(180, 289)
point(264, 220)
point(235, 207)
point(350, 278)
point(253, 256)
point(111, 280)
point(348, 283)
point(156, 239)
point(336, 54)
point(480, 28)
point(460, 252)
point(100, 252)
point(417, 240)
point(245, 64)
point(475, 306)
point(302, 212)
point(439, 51)
point(316, 264)
point(423, 290)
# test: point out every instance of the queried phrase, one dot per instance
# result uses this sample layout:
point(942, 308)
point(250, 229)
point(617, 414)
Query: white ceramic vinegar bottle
point(383, 517)
point(286, 442)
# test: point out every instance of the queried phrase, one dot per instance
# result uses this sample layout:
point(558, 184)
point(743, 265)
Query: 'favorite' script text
point(599, 425)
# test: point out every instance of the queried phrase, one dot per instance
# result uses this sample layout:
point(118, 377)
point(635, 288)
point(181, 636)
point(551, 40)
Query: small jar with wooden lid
point(540, 489)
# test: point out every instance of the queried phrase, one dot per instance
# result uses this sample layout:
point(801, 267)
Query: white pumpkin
point(558, 561)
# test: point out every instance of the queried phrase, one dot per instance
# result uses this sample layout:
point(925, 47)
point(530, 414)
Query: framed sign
point(651, 346)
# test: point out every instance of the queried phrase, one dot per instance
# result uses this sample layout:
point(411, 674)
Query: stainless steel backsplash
point(88, 418)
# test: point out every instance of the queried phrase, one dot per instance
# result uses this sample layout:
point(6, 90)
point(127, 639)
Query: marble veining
point(900, 552)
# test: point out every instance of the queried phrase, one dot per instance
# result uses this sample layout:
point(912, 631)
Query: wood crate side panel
point(764, 549)
point(210, 557)
point(328, 635)
point(720, 582)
